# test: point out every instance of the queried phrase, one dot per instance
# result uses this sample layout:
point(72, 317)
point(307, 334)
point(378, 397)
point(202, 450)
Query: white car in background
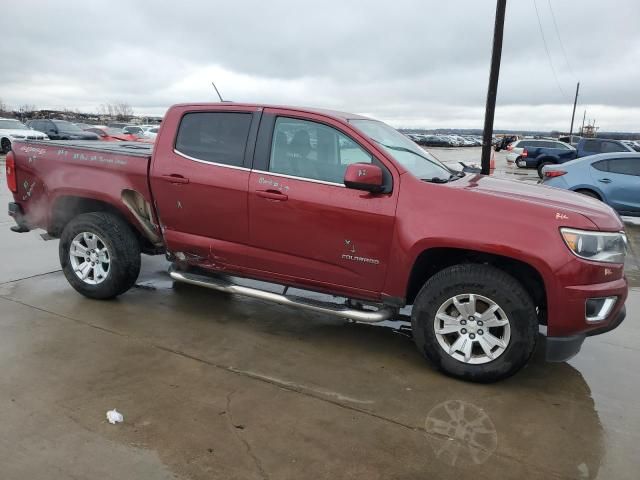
point(12, 129)
point(152, 132)
point(516, 148)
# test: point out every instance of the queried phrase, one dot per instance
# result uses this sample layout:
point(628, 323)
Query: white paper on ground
point(113, 416)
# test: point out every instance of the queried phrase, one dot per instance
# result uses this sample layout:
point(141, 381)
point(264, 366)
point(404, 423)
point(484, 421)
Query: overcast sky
point(410, 63)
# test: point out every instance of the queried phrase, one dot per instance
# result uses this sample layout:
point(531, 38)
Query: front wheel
point(475, 322)
point(99, 255)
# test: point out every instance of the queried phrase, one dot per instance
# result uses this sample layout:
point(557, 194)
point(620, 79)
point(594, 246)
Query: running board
point(223, 285)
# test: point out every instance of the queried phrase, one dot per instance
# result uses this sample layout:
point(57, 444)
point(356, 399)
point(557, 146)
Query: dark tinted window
point(602, 165)
point(625, 166)
point(218, 137)
point(591, 146)
point(608, 147)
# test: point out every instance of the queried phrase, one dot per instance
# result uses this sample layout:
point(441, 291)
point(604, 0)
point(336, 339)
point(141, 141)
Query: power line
point(564, 52)
point(546, 48)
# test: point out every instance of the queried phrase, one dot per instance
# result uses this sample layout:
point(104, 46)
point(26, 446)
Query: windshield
point(416, 160)
point(65, 126)
point(12, 124)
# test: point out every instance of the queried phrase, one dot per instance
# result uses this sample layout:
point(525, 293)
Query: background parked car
point(516, 148)
point(61, 130)
point(632, 144)
point(613, 178)
point(12, 129)
point(541, 155)
point(151, 133)
point(112, 134)
point(133, 129)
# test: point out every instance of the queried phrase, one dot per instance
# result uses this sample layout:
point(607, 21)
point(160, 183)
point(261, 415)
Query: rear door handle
point(272, 195)
point(175, 178)
point(605, 180)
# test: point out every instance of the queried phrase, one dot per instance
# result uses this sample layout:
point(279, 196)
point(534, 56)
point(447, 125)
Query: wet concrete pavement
point(217, 386)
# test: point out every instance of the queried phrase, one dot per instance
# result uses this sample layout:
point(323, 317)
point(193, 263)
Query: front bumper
point(561, 349)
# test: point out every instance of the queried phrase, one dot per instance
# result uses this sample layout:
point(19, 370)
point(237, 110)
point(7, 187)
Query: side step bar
point(223, 285)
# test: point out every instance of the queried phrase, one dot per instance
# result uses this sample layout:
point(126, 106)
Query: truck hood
point(561, 201)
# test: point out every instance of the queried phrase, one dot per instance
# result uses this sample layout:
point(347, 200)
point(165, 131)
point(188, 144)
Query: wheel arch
point(67, 206)
point(433, 260)
point(546, 158)
point(591, 188)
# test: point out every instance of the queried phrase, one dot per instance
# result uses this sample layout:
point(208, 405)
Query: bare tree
point(4, 108)
point(26, 111)
point(124, 111)
point(121, 111)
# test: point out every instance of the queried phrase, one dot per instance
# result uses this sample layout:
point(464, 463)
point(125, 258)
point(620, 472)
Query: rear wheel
point(541, 165)
point(5, 145)
point(589, 193)
point(475, 322)
point(99, 255)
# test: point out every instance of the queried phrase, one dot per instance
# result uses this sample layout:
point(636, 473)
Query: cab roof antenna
point(216, 89)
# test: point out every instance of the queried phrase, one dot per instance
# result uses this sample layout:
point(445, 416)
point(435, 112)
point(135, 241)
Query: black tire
point(5, 145)
point(541, 165)
point(589, 193)
point(516, 162)
point(123, 250)
point(489, 282)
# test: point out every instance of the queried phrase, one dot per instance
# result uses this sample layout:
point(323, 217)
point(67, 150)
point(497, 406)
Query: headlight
point(596, 246)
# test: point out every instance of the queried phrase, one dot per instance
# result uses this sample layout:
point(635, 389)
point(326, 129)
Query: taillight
point(10, 164)
point(524, 154)
point(554, 173)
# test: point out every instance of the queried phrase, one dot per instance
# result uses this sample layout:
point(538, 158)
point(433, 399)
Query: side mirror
point(364, 176)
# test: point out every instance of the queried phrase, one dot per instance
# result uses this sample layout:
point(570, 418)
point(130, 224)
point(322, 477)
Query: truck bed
point(136, 149)
point(55, 176)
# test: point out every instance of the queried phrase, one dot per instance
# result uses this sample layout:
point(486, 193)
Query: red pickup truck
point(340, 204)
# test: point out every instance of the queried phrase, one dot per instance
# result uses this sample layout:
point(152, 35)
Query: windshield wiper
point(437, 179)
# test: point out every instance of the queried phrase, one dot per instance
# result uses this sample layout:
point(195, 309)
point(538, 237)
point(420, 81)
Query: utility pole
point(575, 102)
point(492, 91)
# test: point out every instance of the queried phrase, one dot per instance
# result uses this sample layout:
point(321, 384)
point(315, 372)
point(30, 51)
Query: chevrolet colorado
point(340, 204)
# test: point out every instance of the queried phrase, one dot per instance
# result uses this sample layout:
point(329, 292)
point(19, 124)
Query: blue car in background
point(613, 178)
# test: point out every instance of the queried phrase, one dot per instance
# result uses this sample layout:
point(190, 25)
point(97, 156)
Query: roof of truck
point(319, 111)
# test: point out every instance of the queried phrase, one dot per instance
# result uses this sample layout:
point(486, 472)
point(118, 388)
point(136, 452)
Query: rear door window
point(216, 137)
point(592, 146)
point(625, 166)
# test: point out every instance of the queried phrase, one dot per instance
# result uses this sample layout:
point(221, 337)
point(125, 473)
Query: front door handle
point(605, 180)
point(272, 195)
point(175, 178)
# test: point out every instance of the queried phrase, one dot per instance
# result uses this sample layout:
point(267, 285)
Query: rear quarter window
point(216, 137)
point(602, 165)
